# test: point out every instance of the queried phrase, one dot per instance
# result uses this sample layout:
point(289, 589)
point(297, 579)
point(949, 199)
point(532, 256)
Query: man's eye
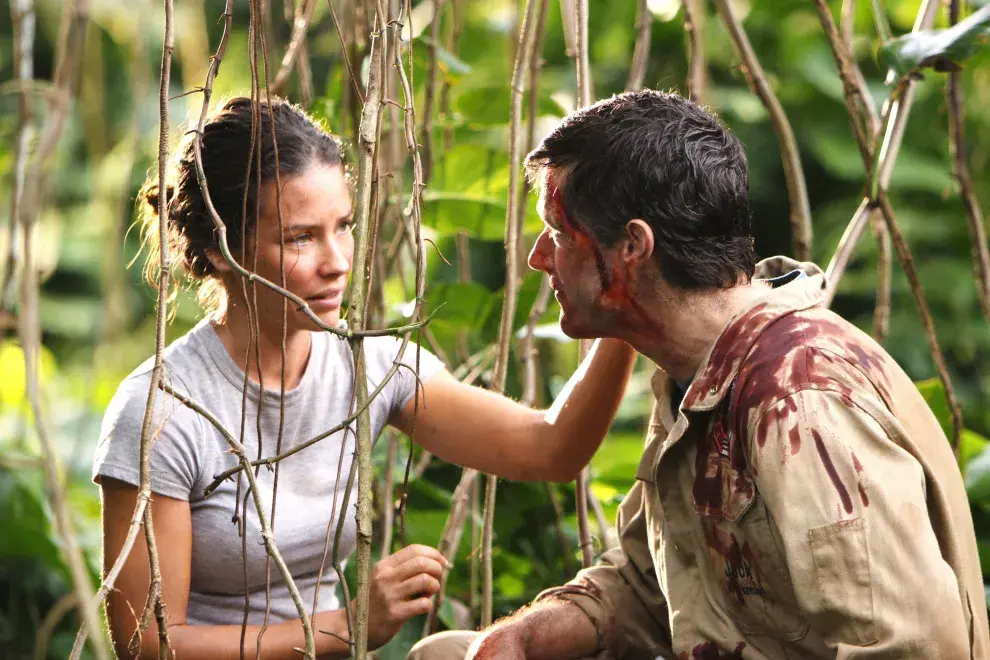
point(345, 227)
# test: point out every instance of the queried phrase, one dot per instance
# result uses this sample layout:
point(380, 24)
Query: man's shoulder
point(812, 349)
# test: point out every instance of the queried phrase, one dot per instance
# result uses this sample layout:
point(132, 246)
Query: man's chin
point(576, 328)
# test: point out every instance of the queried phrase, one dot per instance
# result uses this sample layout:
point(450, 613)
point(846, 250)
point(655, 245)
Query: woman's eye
point(299, 239)
point(345, 227)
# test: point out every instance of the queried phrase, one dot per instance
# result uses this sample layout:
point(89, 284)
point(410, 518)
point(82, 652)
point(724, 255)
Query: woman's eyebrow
point(298, 227)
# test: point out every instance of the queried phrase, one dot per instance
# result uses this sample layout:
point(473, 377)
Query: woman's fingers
point(414, 550)
point(410, 608)
point(421, 584)
point(414, 566)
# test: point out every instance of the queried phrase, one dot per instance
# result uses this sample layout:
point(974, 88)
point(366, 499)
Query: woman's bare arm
point(475, 428)
point(173, 533)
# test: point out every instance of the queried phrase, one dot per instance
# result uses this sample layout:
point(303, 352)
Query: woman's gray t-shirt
point(189, 452)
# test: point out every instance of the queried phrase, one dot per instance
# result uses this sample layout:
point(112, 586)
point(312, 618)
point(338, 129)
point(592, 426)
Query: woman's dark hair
point(658, 157)
point(226, 149)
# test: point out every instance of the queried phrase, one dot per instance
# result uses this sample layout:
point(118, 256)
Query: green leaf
point(934, 395)
point(464, 304)
point(978, 478)
point(490, 105)
point(942, 50)
point(398, 647)
point(449, 62)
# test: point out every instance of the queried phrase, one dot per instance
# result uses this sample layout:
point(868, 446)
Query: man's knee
point(450, 645)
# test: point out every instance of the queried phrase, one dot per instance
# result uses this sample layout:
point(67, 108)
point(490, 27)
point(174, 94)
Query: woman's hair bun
point(150, 194)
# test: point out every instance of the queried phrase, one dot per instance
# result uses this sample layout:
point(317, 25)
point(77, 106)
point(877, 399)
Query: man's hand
point(556, 630)
point(402, 586)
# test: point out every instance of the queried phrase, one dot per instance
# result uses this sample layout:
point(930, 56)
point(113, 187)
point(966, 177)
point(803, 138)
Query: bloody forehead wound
point(557, 202)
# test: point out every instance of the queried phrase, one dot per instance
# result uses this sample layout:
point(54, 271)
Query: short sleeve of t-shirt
point(381, 354)
point(176, 432)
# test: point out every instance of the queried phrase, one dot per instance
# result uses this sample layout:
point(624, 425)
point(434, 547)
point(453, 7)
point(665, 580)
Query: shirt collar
point(721, 364)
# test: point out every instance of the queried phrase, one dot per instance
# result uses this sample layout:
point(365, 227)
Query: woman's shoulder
point(180, 359)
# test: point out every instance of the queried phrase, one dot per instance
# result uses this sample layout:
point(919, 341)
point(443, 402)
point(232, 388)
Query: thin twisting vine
point(879, 164)
point(797, 190)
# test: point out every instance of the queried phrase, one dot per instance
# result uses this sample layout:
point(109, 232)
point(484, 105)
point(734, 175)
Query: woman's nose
point(336, 259)
point(539, 259)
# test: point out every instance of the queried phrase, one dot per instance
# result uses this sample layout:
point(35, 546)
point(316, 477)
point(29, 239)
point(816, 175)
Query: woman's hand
point(402, 586)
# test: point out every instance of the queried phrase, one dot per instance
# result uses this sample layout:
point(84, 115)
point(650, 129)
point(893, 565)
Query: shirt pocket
point(842, 568)
point(750, 576)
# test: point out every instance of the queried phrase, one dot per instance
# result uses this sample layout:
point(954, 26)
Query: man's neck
point(679, 331)
point(235, 334)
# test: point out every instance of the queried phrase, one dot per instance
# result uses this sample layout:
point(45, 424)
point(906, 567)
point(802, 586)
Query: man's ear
point(637, 243)
point(217, 260)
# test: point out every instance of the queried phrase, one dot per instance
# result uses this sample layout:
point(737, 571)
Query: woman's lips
point(326, 301)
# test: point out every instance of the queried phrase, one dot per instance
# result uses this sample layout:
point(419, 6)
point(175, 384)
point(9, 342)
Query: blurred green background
point(98, 318)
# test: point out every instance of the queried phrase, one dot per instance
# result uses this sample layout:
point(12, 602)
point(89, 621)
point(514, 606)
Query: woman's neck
point(235, 334)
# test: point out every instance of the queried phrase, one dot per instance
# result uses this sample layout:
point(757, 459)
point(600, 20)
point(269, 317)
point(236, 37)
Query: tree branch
point(367, 145)
point(584, 82)
point(343, 51)
point(585, 542)
point(695, 17)
point(23, 20)
point(957, 147)
point(862, 117)
point(300, 25)
point(897, 110)
point(267, 537)
point(155, 603)
point(430, 92)
point(68, 54)
point(800, 215)
point(907, 263)
point(53, 617)
point(641, 51)
point(878, 193)
point(513, 231)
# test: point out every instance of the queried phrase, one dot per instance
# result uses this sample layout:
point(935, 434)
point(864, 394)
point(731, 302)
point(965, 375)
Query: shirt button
point(712, 389)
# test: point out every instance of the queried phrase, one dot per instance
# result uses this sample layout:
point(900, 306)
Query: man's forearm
point(555, 629)
point(584, 409)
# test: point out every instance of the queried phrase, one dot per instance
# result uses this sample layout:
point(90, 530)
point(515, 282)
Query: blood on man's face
point(575, 264)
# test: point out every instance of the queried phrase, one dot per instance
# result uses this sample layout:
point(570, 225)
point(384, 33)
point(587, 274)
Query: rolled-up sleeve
point(849, 505)
point(621, 594)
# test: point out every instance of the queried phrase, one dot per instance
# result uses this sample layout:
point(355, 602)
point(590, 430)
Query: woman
point(201, 552)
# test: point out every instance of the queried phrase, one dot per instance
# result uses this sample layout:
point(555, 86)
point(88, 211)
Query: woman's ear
point(217, 260)
point(638, 247)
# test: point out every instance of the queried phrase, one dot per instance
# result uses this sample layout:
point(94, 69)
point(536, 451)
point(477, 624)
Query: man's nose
point(538, 257)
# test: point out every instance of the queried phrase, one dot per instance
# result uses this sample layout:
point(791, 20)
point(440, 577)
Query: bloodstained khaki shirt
point(803, 503)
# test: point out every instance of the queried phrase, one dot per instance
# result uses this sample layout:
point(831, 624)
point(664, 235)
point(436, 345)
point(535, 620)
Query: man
point(796, 497)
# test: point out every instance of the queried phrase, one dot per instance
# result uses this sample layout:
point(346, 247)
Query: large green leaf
point(978, 478)
point(971, 444)
point(942, 50)
point(463, 304)
point(490, 105)
point(26, 520)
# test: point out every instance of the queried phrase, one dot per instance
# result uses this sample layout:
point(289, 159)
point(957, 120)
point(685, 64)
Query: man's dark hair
point(658, 157)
